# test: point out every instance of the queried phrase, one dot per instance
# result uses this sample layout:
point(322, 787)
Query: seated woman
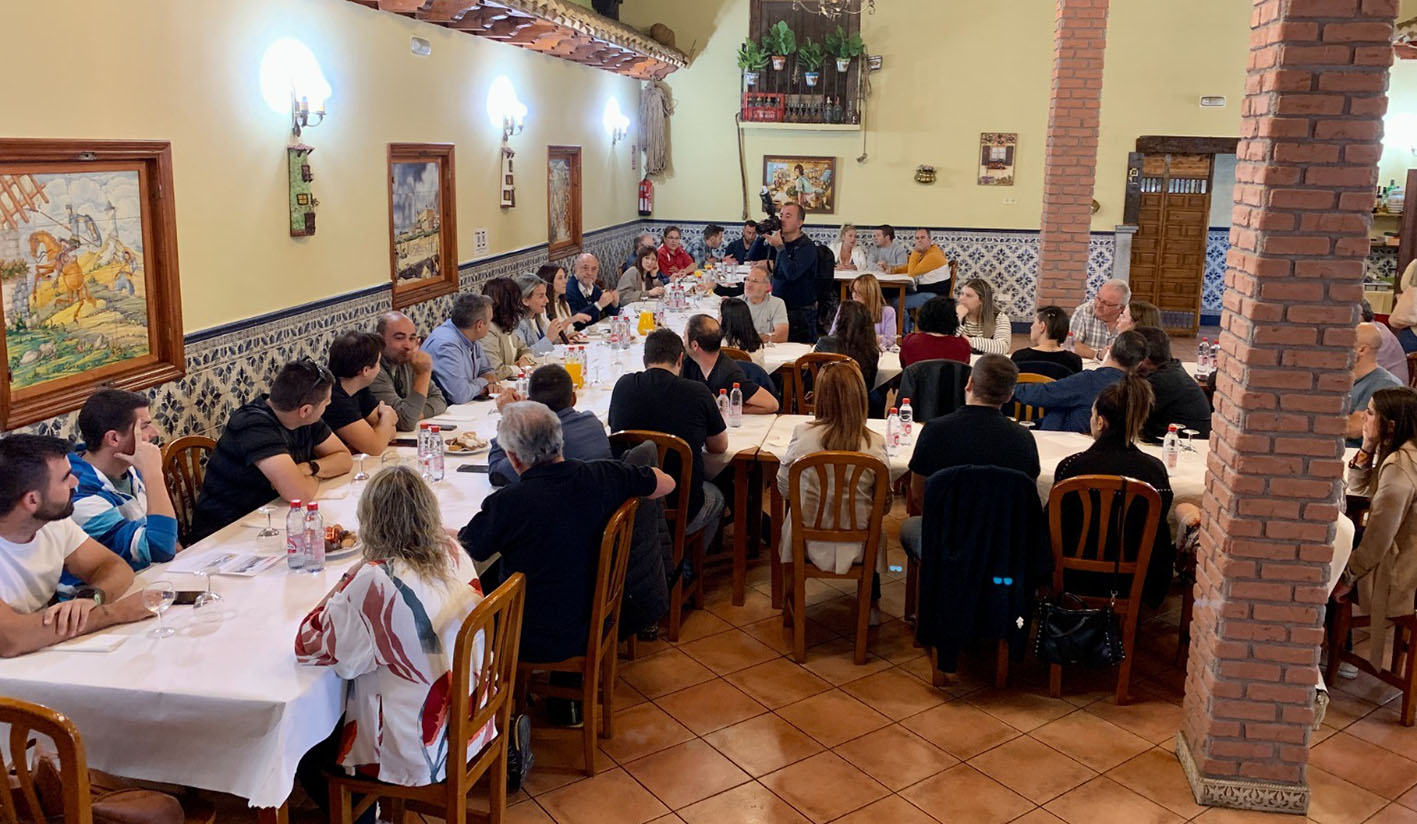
point(839, 424)
point(848, 255)
point(1139, 313)
point(936, 338)
point(1118, 415)
point(1050, 329)
point(641, 281)
point(866, 290)
point(854, 335)
point(980, 322)
point(559, 308)
point(1384, 564)
point(535, 331)
point(736, 323)
point(389, 628)
point(505, 349)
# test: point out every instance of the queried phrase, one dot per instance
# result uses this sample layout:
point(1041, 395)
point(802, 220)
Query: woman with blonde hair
point(838, 424)
point(1139, 313)
point(866, 290)
point(848, 255)
point(980, 322)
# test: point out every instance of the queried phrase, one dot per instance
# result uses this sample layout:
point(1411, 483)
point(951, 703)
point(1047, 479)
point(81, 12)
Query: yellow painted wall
point(952, 70)
point(187, 71)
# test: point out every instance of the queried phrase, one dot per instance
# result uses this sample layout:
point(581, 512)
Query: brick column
point(1315, 96)
point(1070, 166)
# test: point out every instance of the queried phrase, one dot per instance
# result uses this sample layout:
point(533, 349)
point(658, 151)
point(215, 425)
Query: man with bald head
point(1368, 378)
point(708, 365)
point(406, 381)
point(585, 295)
point(1095, 323)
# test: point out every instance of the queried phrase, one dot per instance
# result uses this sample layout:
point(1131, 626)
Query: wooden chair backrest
point(805, 370)
point(1412, 369)
point(496, 624)
point(19, 802)
point(838, 475)
point(184, 466)
point(610, 582)
point(1089, 556)
point(677, 514)
point(735, 353)
point(1023, 411)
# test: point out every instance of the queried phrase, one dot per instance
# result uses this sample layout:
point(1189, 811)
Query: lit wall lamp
point(504, 110)
point(616, 122)
point(1400, 131)
point(291, 81)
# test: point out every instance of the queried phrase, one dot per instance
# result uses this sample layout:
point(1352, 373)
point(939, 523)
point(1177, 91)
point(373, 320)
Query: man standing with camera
point(794, 277)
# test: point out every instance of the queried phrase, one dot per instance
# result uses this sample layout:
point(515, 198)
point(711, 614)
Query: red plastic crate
point(764, 107)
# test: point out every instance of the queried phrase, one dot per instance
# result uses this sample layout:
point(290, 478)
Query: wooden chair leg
point(937, 676)
point(496, 789)
point(799, 622)
point(779, 580)
point(1409, 694)
point(1338, 638)
point(632, 647)
point(863, 615)
point(1124, 672)
point(397, 808)
point(590, 691)
point(699, 551)
point(676, 609)
point(1055, 680)
point(912, 589)
point(607, 689)
point(1001, 666)
point(340, 809)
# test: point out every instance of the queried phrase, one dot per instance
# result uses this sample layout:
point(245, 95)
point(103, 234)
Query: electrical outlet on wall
point(481, 243)
point(1010, 201)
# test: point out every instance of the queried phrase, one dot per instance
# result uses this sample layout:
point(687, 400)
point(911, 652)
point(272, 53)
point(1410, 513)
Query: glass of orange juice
point(646, 323)
point(573, 368)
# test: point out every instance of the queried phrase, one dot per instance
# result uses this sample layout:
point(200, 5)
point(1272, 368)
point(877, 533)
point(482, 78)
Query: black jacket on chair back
point(935, 387)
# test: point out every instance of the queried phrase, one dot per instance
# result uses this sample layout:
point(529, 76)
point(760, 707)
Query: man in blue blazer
point(585, 295)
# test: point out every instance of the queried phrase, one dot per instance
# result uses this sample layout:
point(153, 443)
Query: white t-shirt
point(768, 314)
point(29, 573)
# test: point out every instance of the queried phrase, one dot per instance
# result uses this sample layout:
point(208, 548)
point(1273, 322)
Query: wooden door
point(1168, 250)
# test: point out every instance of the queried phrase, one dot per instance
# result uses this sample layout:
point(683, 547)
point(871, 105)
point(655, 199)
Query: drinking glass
point(268, 531)
point(1028, 424)
point(157, 597)
point(389, 458)
point(361, 475)
point(207, 597)
point(1189, 433)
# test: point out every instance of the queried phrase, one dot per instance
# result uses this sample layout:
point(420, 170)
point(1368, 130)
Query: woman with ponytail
point(1118, 415)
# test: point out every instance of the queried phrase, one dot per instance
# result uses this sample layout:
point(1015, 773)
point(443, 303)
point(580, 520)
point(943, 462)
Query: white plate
point(342, 552)
point(465, 453)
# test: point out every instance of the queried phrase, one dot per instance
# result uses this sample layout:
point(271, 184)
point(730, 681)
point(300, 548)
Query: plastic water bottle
point(1203, 358)
point(1213, 358)
point(423, 448)
point(435, 453)
point(1071, 343)
point(1171, 447)
point(314, 539)
point(295, 537)
point(907, 418)
point(735, 406)
point(723, 404)
point(893, 432)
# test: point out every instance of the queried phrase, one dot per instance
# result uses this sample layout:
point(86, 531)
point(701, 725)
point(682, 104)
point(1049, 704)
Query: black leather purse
point(1070, 632)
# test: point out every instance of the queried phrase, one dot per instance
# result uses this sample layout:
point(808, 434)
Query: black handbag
point(1070, 632)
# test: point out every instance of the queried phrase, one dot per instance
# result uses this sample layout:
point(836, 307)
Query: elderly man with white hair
point(1094, 325)
point(585, 295)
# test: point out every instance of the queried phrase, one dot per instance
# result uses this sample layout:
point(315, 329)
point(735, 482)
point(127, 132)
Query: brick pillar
point(1070, 166)
point(1315, 95)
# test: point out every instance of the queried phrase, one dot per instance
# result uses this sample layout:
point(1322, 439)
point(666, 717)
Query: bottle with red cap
point(295, 537)
point(314, 539)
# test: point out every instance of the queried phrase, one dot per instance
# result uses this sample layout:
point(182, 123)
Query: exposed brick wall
point(1315, 95)
point(1070, 165)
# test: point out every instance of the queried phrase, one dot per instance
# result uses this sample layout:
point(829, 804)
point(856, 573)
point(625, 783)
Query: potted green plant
point(751, 59)
point(811, 55)
point(781, 43)
point(844, 47)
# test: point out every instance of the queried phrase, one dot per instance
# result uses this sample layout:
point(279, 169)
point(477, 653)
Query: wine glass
point(157, 597)
point(1189, 433)
point(207, 596)
point(268, 531)
point(361, 475)
point(1028, 424)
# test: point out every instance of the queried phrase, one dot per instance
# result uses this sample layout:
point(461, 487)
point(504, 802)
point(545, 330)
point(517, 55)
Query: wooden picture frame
point(423, 222)
point(996, 158)
point(563, 200)
point(88, 269)
point(817, 194)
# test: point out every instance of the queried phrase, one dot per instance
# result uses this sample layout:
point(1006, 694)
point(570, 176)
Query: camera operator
point(794, 277)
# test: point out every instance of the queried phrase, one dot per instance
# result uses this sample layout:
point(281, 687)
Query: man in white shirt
point(769, 311)
point(39, 541)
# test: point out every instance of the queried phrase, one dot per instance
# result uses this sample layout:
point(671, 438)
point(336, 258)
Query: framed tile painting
point(996, 158)
point(423, 222)
point(563, 200)
point(810, 181)
point(88, 271)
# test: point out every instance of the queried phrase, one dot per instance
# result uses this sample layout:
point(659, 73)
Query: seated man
point(718, 371)
point(929, 268)
point(1179, 399)
point(1067, 403)
point(121, 500)
point(768, 310)
point(645, 239)
point(405, 379)
point(556, 552)
point(460, 367)
point(1094, 325)
point(365, 423)
point(709, 248)
point(582, 433)
point(884, 255)
point(39, 542)
point(659, 400)
point(976, 434)
point(1390, 355)
point(585, 295)
point(276, 445)
point(737, 251)
point(1368, 377)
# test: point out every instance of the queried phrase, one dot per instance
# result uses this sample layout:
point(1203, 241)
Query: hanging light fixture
point(832, 9)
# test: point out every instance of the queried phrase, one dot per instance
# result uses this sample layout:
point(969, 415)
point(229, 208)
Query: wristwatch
point(314, 468)
point(93, 593)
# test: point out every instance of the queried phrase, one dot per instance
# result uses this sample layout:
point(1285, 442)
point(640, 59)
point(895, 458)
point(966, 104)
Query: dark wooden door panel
point(1168, 250)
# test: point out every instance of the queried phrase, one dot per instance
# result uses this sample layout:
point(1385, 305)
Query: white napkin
point(105, 641)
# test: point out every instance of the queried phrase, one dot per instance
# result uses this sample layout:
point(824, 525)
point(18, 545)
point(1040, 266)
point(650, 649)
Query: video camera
point(771, 223)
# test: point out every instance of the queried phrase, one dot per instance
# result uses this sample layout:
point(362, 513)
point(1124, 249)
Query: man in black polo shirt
point(976, 434)
point(794, 274)
point(1179, 399)
point(363, 422)
point(658, 399)
point(708, 365)
point(274, 445)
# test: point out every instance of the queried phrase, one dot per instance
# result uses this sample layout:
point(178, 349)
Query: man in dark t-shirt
point(363, 422)
point(707, 364)
point(276, 445)
point(976, 434)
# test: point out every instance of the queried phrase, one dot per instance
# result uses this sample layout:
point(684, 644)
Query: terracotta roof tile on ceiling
point(555, 27)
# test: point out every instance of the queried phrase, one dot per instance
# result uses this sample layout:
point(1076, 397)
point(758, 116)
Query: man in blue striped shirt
point(121, 500)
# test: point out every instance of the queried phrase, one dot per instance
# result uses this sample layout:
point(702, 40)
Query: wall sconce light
point(504, 110)
point(616, 122)
point(291, 81)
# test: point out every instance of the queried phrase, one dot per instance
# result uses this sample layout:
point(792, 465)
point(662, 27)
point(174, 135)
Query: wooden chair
point(1023, 411)
point(496, 624)
point(798, 390)
point(19, 796)
point(1401, 671)
point(1091, 556)
point(597, 666)
point(736, 354)
point(678, 515)
point(837, 474)
point(1412, 369)
point(184, 465)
